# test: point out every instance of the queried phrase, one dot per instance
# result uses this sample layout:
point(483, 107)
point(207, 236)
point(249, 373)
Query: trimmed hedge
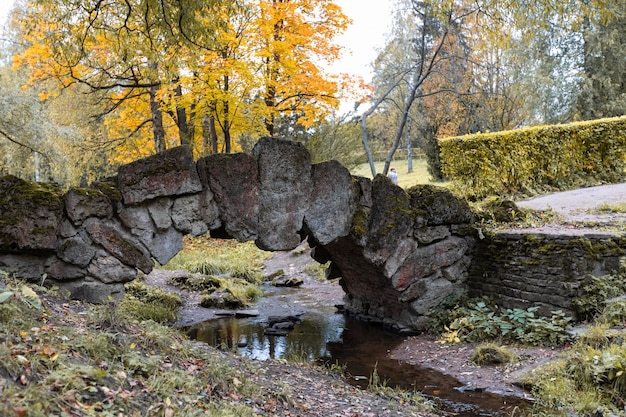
point(536, 160)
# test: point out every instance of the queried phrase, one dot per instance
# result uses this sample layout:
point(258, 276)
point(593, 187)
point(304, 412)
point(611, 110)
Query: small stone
point(275, 332)
point(247, 313)
point(272, 320)
point(285, 281)
point(286, 325)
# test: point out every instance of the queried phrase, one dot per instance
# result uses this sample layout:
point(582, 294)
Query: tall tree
point(129, 50)
point(193, 68)
point(602, 83)
point(424, 44)
point(293, 38)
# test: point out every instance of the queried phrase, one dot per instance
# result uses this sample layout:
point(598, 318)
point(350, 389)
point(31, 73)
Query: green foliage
point(407, 398)
point(614, 312)
point(15, 297)
point(144, 302)
point(538, 159)
point(317, 270)
point(598, 291)
point(207, 256)
point(609, 208)
point(491, 354)
point(226, 273)
point(558, 394)
point(221, 292)
point(481, 321)
point(107, 363)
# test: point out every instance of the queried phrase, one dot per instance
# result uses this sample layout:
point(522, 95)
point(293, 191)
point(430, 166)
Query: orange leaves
point(240, 65)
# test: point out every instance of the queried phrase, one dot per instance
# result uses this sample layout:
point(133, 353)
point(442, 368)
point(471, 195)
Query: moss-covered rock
point(30, 215)
point(439, 206)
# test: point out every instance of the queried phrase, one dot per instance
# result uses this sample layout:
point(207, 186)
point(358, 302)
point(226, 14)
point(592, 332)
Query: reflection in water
point(307, 340)
point(340, 339)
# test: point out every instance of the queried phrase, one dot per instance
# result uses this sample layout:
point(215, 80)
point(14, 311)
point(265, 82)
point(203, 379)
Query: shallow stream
point(328, 336)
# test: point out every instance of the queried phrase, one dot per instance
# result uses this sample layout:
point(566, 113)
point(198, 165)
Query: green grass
point(609, 209)
point(100, 360)
point(207, 256)
point(227, 266)
point(419, 175)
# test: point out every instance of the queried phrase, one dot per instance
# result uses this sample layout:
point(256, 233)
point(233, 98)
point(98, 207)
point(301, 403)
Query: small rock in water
point(286, 325)
point(246, 313)
point(242, 342)
point(285, 281)
point(272, 320)
point(275, 332)
point(280, 326)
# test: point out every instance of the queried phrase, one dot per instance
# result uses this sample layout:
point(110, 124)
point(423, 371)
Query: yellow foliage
point(259, 63)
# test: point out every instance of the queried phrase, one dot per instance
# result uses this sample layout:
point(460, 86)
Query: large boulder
point(30, 215)
point(389, 221)
point(332, 203)
point(233, 180)
point(285, 189)
point(83, 203)
point(439, 206)
point(169, 173)
point(117, 242)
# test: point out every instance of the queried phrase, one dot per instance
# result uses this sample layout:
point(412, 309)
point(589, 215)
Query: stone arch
point(398, 253)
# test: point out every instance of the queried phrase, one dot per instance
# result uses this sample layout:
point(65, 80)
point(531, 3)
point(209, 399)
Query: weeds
point(203, 255)
point(225, 273)
point(317, 271)
point(482, 321)
point(402, 396)
point(599, 291)
point(491, 354)
point(144, 302)
point(608, 209)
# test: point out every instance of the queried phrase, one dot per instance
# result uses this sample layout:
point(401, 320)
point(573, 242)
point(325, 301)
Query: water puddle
point(325, 335)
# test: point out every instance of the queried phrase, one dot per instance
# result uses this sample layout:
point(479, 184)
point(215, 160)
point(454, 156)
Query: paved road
point(576, 203)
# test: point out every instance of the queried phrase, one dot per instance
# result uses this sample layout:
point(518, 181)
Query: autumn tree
point(124, 51)
point(192, 68)
point(293, 38)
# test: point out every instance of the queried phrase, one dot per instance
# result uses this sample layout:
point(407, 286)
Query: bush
point(148, 303)
point(598, 291)
point(537, 159)
point(491, 354)
point(481, 321)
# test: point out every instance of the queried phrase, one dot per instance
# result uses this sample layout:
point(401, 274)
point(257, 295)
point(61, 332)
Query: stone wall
point(399, 253)
point(521, 269)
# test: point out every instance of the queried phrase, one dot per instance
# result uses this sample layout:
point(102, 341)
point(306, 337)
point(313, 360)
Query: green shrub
point(598, 291)
point(317, 271)
point(481, 321)
point(536, 159)
point(229, 292)
point(144, 302)
point(491, 354)
point(208, 256)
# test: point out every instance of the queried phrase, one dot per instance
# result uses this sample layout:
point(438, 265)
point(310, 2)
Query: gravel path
point(575, 205)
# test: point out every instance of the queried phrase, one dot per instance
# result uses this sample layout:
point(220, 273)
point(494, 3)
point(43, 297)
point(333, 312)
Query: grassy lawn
point(419, 175)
